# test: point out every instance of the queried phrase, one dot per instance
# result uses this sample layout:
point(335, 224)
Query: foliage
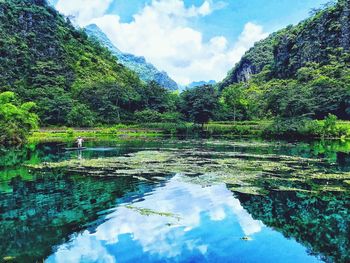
point(70, 132)
point(299, 72)
point(316, 91)
point(72, 78)
point(157, 98)
point(303, 127)
point(291, 128)
point(46, 60)
point(117, 132)
point(317, 39)
point(173, 117)
point(16, 120)
point(234, 97)
point(199, 104)
point(81, 116)
point(294, 76)
point(330, 128)
point(253, 61)
point(148, 116)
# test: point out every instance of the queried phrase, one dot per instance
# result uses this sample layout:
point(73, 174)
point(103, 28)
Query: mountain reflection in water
point(181, 222)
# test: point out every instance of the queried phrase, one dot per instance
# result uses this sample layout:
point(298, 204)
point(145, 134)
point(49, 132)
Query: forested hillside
point(146, 71)
point(73, 80)
point(300, 71)
point(317, 39)
point(200, 83)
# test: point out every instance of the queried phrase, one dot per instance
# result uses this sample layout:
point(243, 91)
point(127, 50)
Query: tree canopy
point(16, 119)
point(199, 104)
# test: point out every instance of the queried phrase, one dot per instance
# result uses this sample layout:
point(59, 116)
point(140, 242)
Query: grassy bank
point(62, 134)
point(149, 130)
point(270, 129)
point(295, 128)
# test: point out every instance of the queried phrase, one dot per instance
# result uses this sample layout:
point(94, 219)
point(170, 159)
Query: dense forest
point(299, 71)
point(296, 74)
point(73, 80)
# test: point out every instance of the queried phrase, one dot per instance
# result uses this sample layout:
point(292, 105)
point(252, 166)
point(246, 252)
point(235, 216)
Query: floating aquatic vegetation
point(245, 172)
point(245, 238)
point(149, 212)
point(9, 258)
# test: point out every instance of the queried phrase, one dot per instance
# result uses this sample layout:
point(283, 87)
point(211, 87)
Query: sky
point(192, 40)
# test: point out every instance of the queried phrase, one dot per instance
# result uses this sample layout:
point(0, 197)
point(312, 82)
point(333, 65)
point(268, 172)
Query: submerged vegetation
point(150, 212)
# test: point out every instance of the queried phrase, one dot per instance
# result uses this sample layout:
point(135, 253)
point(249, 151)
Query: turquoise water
point(60, 216)
point(209, 227)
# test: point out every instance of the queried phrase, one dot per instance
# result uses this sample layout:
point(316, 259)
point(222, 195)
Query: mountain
point(200, 83)
point(146, 71)
point(253, 61)
point(196, 84)
point(299, 72)
point(72, 79)
point(325, 35)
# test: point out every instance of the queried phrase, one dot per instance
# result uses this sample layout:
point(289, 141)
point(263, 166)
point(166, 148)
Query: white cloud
point(82, 249)
point(161, 33)
point(154, 233)
point(83, 10)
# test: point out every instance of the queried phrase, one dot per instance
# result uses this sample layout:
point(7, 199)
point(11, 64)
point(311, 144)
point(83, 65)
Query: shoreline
point(242, 129)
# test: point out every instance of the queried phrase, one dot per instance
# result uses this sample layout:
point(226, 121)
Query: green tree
point(148, 116)
point(288, 99)
point(16, 120)
point(199, 104)
point(112, 102)
point(235, 98)
point(157, 98)
point(171, 117)
point(330, 96)
point(81, 116)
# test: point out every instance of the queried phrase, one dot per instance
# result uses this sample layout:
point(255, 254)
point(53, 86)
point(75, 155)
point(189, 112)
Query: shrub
point(148, 116)
point(16, 120)
point(290, 128)
point(303, 127)
point(173, 117)
point(330, 128)
point(81, 116)
point(70, 132)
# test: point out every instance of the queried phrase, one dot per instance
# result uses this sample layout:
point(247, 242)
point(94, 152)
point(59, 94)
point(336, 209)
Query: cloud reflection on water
point(198, 212)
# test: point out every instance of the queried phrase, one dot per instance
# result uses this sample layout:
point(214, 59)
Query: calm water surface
point(60, 216)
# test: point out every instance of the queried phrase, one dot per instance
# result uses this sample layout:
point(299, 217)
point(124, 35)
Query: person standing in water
point(80, 142)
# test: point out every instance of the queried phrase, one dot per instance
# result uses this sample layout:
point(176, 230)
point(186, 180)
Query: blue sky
point(190, 39)
point(229, 21)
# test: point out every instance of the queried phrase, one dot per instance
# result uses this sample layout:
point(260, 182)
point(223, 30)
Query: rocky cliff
point(318, 39)
point(252, 62)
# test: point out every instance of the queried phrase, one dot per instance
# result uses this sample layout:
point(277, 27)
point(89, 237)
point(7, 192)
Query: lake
point(171, 200)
